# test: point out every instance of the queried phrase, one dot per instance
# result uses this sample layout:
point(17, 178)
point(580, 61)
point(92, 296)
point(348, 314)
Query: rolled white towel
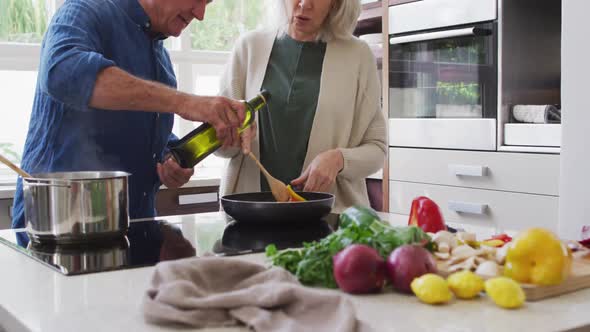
point(534, 113)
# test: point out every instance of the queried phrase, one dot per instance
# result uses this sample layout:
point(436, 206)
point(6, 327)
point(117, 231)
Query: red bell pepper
point(498, 240)
point(426, 215)
point(503, 237)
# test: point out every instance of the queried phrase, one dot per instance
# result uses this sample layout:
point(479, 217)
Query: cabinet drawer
point(483, 208)
point(516, 172)
point(187, 200)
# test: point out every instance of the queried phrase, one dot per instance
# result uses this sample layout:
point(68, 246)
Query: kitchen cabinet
point(187, 200)
point(5, 213)
point(494, 209)
point(509, 172)
point(480, 181)
point(575, 160)
point(502, 191)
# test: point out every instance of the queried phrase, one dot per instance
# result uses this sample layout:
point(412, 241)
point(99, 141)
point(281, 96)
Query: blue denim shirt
point(65, 134)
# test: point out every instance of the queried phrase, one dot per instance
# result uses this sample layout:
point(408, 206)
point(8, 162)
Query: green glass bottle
point(202, 141)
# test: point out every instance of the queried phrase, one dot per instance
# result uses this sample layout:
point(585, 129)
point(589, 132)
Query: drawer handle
point(197, 198)
point(468, 170)
point(463, 207)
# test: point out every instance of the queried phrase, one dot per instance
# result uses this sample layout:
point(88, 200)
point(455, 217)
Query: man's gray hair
point(339, 24)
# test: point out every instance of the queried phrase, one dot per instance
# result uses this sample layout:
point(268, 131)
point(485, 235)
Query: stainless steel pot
point(72, 207)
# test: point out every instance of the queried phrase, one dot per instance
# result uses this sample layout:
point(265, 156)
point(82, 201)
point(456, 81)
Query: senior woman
point(323, 129)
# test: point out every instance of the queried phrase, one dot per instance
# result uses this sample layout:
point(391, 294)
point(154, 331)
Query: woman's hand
point(246, 138)
point(321, 174)
point(172, 175)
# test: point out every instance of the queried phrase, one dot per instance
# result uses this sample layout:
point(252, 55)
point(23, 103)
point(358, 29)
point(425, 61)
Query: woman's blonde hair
point(339, 24)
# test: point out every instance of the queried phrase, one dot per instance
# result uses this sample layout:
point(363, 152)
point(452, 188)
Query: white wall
point(574, 210)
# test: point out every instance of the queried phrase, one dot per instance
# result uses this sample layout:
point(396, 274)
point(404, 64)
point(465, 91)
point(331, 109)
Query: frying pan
point(261, 208)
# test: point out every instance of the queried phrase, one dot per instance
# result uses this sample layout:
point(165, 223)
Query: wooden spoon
point(277, 187)
point(15, 168)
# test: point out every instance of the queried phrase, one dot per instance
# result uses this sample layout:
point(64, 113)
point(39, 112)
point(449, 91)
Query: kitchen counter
point(35, 298)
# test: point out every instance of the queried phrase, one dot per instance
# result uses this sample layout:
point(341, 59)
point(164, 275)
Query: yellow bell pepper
point(492, 243)
point(295, 197)
point(537, 256)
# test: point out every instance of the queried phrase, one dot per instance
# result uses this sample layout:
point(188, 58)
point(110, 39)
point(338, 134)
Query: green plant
point(457, 93)
point(7, 149)
point(23, 20)
point(224, 21)
point(468, 50)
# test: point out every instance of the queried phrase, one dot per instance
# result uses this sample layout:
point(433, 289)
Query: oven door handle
point(471, 31)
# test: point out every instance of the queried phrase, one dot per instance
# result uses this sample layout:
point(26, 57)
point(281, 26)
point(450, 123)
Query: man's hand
point(172, 175)
point(321, 174)
point(224, 114)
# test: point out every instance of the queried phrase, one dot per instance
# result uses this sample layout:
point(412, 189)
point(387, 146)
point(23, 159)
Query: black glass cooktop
point(151, 241)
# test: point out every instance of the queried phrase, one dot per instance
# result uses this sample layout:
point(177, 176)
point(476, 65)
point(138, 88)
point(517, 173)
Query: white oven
point(443, 74)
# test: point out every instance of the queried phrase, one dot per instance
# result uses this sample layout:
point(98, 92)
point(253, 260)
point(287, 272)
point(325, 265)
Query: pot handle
point(33, 183)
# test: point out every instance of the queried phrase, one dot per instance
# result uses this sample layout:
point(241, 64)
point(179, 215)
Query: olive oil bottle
point(202, 141)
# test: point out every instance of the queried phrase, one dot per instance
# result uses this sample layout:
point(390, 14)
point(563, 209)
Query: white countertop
point(35, 298)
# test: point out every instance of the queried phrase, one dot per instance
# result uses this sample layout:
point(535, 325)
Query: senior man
point(106, 95)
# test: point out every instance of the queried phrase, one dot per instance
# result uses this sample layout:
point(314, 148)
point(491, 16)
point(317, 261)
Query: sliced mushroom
point(463, 251)
point(488, 269)
point(480, 260)
point(443, 237)
point(468, 264)
point(444, 247)
point(442, 255)
point(488, 252)
point(466, 237)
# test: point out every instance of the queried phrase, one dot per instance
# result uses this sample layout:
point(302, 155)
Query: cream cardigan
point(348, 115)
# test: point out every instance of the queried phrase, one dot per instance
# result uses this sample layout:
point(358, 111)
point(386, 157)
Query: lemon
point(505, 292)
point(431, 288)
point(465, 284)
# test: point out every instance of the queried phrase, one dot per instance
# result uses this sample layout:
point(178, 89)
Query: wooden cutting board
point(579, 279)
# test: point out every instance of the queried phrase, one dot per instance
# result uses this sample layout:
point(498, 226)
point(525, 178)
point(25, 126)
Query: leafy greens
point(312, 264)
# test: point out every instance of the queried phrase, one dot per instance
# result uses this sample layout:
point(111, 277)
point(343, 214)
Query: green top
point(293, 79)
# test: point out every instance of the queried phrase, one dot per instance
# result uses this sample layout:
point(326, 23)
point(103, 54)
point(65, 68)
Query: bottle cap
point(265, 95)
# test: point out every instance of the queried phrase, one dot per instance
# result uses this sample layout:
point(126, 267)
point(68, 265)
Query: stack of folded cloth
point(214, 292)
point(537, 113)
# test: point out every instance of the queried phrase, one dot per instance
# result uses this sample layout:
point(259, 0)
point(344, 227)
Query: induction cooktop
point(150, 241)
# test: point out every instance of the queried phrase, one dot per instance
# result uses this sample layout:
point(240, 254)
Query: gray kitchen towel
point(214, 292)
point(537, 113)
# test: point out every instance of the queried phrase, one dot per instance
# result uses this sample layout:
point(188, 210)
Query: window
point(199, 56)
point(224, 21)
point(22, 25)
point(18, 88)
point(23, 21)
